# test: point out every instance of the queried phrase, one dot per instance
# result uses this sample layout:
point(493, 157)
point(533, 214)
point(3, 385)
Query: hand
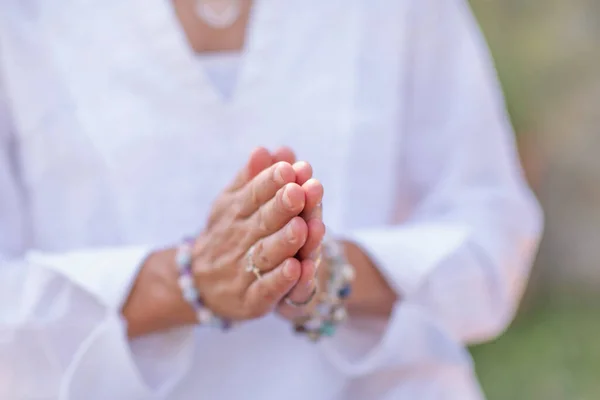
point(310, 253)
point(312, 212)
point(260, 208)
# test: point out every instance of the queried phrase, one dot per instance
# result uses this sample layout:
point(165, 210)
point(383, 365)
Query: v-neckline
point(222, 69)
point(174, 47)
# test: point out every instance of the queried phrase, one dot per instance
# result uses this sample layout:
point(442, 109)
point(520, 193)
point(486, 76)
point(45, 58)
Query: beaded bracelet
point(183, 260)
point(330, 312)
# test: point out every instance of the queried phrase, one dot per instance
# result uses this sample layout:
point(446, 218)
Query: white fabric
point(222, 69)
point(114, 142)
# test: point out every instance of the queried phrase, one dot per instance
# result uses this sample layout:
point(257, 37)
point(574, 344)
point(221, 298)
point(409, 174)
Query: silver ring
point(304, 303)
point(250, 266)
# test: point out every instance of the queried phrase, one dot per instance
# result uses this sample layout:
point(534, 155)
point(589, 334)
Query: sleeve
point(461, 260)
point(60, 324)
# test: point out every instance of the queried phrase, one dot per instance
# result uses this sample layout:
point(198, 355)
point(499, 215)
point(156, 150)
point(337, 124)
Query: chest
point(136, 131)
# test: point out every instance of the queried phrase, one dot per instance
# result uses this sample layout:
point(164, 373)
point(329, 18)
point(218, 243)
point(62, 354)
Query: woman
point(121, 124)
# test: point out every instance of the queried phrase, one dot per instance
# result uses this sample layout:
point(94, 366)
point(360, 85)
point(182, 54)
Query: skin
point(273, 203)
point(260, 208)
point(252, 210)
point(371, 295)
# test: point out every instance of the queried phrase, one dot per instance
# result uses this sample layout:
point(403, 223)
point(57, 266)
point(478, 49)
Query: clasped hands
point(272, 207)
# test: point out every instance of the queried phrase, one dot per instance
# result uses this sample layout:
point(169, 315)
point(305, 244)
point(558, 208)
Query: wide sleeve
point(461, 260)
point(61, 331)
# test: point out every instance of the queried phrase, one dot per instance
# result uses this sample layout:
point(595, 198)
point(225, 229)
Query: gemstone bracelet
point(330, 311)
point(189, 292)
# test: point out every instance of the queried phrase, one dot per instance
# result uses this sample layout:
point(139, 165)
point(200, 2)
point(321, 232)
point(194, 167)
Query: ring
point(250, 267)
point(296, 304)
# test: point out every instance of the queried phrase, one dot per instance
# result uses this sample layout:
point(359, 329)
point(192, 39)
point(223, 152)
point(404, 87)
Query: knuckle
point(261, 256)
point(262, 224)
point(236, 208)
point(255, 194)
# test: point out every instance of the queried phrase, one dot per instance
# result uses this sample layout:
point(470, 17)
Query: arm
point(66, 317)
point(460, 261)
point(59, 311)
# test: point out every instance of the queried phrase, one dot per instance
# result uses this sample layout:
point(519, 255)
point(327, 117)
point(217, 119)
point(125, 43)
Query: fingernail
point(291, 236)
point(309, 284)
point(279, 174)
point(288, 270)
point(287, 201)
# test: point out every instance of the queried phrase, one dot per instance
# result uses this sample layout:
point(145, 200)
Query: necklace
point(219, 14)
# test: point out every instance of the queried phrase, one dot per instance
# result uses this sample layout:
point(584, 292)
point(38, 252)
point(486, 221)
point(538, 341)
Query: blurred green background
point(547, 53)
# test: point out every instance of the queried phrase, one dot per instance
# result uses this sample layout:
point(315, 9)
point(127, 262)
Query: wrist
point(155, 302)
point(371, 295)
point(335, 278)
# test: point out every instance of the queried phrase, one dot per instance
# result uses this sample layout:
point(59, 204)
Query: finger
point(306, 285)
point(264, 186)
point(313, 214)
point(259, 159)
point(273, 250)
point(265, 293)
point(284, 154)
point(314, 197)
point(273, 215)
point(316, 232)
point(303, 171)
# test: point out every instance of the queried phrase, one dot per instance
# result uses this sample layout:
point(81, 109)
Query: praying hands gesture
point(259, 253)
point(268, 218)
point(371, 294)
point(260, 237)
point(310, 254)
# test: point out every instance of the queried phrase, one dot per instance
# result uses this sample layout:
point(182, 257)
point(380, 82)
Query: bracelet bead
point(204, 316)
point(344, 292)
point(330, 310)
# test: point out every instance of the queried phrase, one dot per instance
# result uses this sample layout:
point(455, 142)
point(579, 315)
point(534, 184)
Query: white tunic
point(114, 141)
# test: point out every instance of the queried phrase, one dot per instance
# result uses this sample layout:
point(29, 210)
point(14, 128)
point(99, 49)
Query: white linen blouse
point(114, 142)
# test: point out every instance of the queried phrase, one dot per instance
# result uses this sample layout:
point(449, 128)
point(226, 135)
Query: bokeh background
point(547, 54)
